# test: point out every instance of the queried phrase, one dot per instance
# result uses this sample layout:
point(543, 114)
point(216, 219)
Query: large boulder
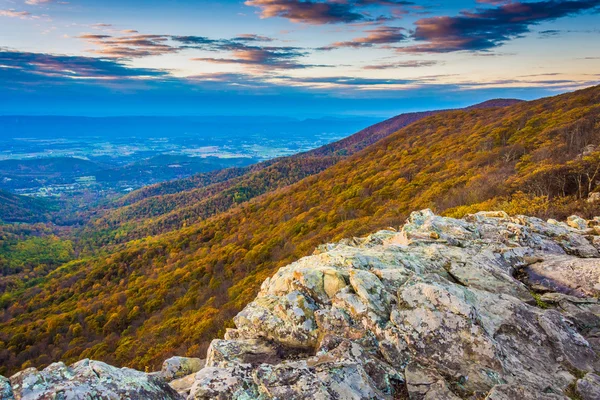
point(589, 387)
point(183, 385)
point(343, 372)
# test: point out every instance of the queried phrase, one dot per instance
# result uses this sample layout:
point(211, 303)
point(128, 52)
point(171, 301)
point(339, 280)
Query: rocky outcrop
point(86, 380)
point(486, 307)
point(442, 309)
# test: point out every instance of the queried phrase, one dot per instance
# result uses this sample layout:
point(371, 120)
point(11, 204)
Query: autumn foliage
point(136, 296)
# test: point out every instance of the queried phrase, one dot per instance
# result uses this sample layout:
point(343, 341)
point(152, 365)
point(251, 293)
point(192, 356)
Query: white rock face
point(443, 309)
point(486, 307)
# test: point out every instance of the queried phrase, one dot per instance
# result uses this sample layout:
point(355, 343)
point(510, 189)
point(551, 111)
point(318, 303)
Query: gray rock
point(589, 387)
point(577, 222)
point(250, 351)
point(233, 383)
point(593, 197)
point(438, 301)
point(344, 372)
point(6, 392)
point(88, 380)
point(178, 367)
point(514, 392)
point(427, 384)
point(566, 274)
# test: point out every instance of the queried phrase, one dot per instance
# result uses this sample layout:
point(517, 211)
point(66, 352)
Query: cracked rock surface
point(486, 307)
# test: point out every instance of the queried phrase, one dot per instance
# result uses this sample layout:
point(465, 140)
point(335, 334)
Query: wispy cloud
point(383, 35)
point(15, 14)
point(252, 37)
point(326, 12)
point(248, 50)
point(262, 57)
point(42, 2)
point(101, 25)
point(403, 64)
point(26, 64)
point(311, 12)
point(132, 45)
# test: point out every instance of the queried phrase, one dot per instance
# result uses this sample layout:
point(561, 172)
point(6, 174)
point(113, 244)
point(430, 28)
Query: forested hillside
point(15, 208)
point(172, 205)
point(146, 299)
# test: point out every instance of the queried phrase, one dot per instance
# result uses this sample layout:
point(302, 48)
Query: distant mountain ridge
point(49, 166)
point(348, 145)
point(160, 126)
point(376, 132)
point(494, 103)
point(189, 200)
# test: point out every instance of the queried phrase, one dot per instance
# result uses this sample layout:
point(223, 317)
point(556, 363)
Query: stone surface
point(589, 387)
point(183, 385)
point(6, 392)
point(577, 222)
point(345, 371)
point(514, 392)
point(444, 307)
point(88, 380)
point(485, 307)
point(250, 351)
point(593, 197)
point(566, 274)
point(178, 367)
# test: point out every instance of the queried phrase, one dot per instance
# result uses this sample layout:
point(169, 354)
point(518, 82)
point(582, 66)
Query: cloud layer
point(487, 28)
point(34, 68)
point(248, 50)
point(327, 12)
point(11, 13)
point(382, 35)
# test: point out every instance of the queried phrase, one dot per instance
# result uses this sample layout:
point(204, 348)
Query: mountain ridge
point(219, 190)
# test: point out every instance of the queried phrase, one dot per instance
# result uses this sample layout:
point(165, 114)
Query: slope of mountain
point(15, 208)
point(494, 103)
point(171, 205)
point(144, 300)
point(346, 146)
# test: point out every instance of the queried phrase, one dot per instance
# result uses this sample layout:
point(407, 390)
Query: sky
point(302, 58)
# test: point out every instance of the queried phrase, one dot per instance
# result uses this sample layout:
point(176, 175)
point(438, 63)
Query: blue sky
point(289, 57)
